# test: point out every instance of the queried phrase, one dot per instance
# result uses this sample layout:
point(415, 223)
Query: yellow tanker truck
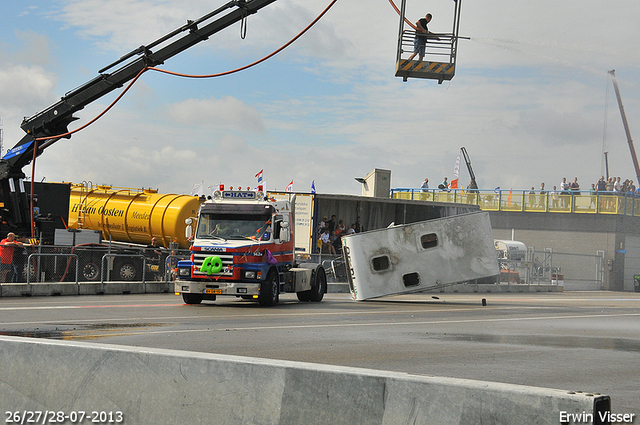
point(128, 220)
point(132, 215)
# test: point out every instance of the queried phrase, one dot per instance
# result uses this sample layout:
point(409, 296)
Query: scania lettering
point(242, 195)
point(244, 247)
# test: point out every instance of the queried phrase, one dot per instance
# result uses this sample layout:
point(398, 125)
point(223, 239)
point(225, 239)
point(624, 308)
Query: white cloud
point(24, 86)
point(228, 113)
point(35, 48)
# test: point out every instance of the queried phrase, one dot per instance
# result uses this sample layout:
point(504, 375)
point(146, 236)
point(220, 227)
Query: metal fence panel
point(90, 263)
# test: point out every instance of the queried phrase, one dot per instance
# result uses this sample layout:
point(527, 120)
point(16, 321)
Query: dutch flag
point(259, 176)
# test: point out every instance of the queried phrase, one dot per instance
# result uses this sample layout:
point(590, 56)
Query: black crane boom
point(467, 160)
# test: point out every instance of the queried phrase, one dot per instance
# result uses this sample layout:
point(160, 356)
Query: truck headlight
point(183, 272)
point(250, 274)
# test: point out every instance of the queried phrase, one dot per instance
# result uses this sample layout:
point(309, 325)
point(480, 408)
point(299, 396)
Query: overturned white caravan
point(420, 256)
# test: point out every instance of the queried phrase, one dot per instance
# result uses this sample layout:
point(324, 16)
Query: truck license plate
point(213, 291)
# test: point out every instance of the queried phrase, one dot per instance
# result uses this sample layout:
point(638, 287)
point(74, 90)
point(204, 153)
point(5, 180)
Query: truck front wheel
point(192, 298)
point(269, 290)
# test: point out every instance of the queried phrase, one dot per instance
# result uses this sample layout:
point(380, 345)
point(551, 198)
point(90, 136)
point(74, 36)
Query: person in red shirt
point(7, 246)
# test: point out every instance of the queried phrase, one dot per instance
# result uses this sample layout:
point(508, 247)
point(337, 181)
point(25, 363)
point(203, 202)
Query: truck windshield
point(225, 226)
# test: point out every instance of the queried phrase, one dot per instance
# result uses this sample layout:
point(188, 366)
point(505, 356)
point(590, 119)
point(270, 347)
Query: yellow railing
point(524, 201)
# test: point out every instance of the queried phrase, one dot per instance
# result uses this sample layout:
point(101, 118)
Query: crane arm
point(467, 160)
point(53, 121)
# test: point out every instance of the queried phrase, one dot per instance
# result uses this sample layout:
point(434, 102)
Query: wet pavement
point(580, 341)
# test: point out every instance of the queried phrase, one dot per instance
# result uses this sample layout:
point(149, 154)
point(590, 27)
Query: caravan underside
point(420, 256)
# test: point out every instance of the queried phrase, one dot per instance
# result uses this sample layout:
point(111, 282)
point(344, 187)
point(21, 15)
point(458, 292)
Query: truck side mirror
point(285, 234)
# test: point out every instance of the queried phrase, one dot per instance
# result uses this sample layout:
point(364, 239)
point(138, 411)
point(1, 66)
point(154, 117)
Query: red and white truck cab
point(243, 246)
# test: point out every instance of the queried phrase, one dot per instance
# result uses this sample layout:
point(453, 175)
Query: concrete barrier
point(155, 386)
point(83, 288)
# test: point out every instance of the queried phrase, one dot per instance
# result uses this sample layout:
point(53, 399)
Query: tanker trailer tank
point(132, 215)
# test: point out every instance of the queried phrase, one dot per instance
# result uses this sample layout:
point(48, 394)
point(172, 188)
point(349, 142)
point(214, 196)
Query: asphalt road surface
point(588, 341)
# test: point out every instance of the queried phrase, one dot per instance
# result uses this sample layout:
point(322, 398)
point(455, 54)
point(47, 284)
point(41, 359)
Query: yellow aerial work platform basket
point(435, 52)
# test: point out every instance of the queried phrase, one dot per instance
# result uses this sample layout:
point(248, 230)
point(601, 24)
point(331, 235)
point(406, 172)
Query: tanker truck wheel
point(90, 271)
point(127, 271)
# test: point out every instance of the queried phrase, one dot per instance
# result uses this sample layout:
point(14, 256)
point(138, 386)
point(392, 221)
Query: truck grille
point(227, 260)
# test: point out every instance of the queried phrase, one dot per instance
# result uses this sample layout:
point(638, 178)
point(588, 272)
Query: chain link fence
point(571, 270)
point(91, 263)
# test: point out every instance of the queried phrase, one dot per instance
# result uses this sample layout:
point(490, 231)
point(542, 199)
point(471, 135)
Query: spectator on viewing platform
point(444, 185)
point(554, 197)
point(610, 188)
point(532, 196)
point(352, 229)
point(610, 184)
point(564, 192)
point(593, 191)
point(617, 185)
point(575, 187)
point(575, 190)
point(543, 196)
point(340, 228)
point(425, 189)
point(628, 187)
point(623, 188)
point(472, 188)
point(601, 187)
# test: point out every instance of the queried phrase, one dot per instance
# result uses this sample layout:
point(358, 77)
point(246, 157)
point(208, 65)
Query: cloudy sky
point(531, 100)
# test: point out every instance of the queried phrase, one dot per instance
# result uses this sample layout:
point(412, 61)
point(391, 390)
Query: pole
point(33, 177)
point(401, 29)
